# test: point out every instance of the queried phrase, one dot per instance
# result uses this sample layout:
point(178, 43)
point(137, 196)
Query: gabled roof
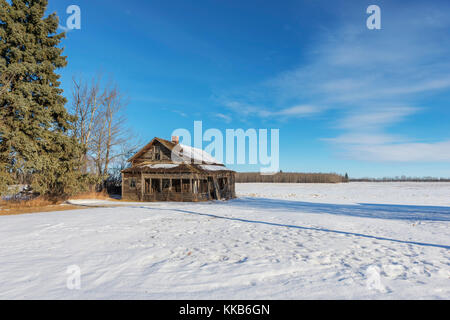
point(185, 153)
point(169, 145)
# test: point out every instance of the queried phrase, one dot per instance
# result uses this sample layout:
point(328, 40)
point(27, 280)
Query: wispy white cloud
point(298, 111)
point(400, 152)
point(351, 66)
point(363, 138)
point(375, 119)
point(380, 147)
point(367, 82)
point(374, 81)
point(223, 117)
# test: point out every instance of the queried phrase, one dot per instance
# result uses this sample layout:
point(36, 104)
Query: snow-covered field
point(278, 241)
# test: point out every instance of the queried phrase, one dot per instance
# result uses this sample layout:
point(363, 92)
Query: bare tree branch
point(101, 123)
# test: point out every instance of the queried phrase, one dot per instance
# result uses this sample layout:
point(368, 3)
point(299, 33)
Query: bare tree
point(114, 105)
point(86, 103)
point(101, 124)
point(119, 163)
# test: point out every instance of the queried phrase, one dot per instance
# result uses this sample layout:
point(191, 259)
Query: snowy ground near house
point(278, 241)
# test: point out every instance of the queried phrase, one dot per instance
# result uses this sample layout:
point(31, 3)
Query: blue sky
point(345, 98)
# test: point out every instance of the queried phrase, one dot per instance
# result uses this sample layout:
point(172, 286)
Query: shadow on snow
point(401, 212)
point(366, 210)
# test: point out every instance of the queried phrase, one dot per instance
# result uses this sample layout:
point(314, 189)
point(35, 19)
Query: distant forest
point(290, 177)
point(401, 179)
point(297, 177)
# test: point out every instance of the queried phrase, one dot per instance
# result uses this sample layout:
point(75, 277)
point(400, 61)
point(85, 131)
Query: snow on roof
point(210, 167)
point(161, 166)
point(196, 155)
point(182, 153)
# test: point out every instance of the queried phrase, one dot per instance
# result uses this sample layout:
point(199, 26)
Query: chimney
point(176, 139)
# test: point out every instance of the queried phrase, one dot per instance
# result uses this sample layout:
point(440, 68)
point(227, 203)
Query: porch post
point(123, 182)
point(142, 186)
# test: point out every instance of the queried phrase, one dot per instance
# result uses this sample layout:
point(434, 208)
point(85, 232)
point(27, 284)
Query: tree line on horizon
point(401, 179)
point(290, 177)
point(298, 177)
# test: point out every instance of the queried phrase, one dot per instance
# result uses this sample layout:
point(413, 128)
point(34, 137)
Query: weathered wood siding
point(129, 192)
point(158, 153)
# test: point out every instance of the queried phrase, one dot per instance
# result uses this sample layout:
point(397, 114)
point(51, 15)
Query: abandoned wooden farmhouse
point(168, 171)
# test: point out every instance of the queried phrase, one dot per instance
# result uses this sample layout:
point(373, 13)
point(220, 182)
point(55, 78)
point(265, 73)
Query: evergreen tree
point(34, 124)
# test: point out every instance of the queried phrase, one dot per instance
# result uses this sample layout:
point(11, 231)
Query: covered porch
point(182, 187)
